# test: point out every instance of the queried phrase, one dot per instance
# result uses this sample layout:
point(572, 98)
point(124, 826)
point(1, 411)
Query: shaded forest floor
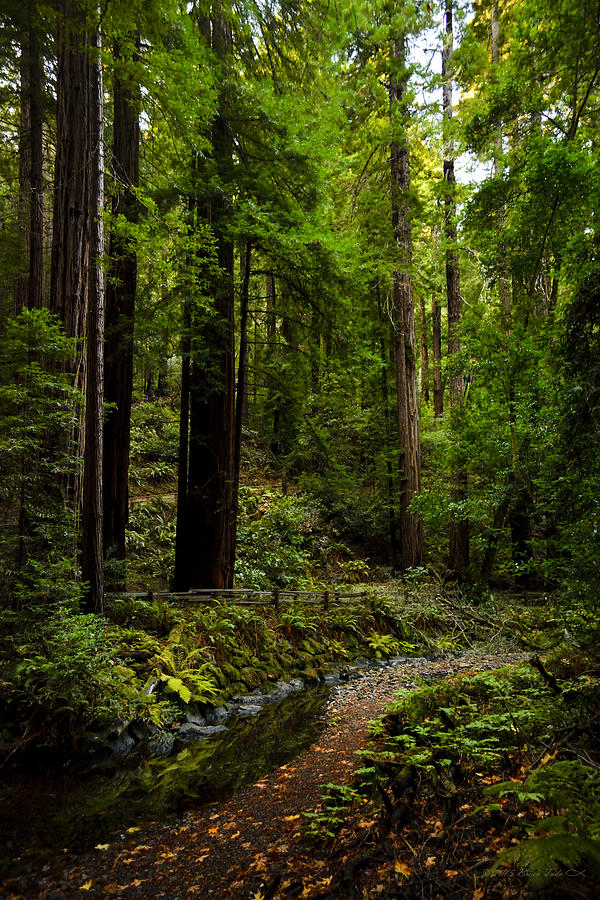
point(258, 844)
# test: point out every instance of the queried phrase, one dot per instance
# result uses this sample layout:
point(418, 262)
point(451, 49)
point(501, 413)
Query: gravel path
point(228, 850)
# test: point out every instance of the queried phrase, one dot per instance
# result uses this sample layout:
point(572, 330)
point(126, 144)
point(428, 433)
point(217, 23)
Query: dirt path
point(251, 846)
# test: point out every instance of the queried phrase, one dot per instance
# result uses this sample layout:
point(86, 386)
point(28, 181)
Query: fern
point(568, 839)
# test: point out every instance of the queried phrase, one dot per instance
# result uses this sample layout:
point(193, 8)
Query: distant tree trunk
point(69, 233)
point(91, 543)
point(412, 552)
point(389, 475)
point(31, 161)
point(438, 389)
point(458, 557)
point(273, 404)
point(120, 303)
point(503, 279)
point(424, 351)
point(182, 539)
point(207, 541)
point(244, 360)
point(242, 391)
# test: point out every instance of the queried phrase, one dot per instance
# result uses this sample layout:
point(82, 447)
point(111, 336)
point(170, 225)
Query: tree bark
point(438, 389)
point(241, 403)
point(91, 543)
point(458, 557)
point(69, 233)
point(207, 543)
point(424, 352)
point(120, 305)
point(31, 162)
point(412, 551)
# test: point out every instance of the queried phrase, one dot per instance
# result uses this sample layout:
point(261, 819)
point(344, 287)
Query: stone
point(196, 718)
point(161, 745)
point(190, 732)
point(217, 715)
point(122, 745)
point(249, 710)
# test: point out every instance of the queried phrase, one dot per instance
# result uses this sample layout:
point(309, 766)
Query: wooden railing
point(246, 596)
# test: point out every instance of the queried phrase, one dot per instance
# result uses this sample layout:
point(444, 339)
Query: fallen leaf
point(401, 868)
point(430, 861)
point(478, 894)
point(101, 846)
point(133, 829)
point(234, 836)
point(450, 873)
point(291, 818)
point(214, 830)
point(87, 886)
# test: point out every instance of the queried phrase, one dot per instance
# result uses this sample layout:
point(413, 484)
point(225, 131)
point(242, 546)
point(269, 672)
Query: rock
point(122, 745)
point(161, 745)
point(249, 710)
point(217, 715)
point(195, 718)
point(190, 732)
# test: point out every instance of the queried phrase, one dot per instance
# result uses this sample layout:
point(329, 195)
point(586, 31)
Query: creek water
point(46, 816)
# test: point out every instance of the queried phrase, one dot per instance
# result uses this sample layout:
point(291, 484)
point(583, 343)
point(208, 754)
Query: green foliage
point(324, 824)
point(37, 424)
point(566, 797)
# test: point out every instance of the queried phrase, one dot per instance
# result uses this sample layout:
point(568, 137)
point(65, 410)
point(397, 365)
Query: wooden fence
point(246, 596)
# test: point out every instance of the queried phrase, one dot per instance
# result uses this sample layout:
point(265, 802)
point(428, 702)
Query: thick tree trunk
point(69, 234)
point(207, 541)
point(91, 537)
point(458, 557)
point(31, 162)
point(438, 388)
point(120, 303)
point(412, 552)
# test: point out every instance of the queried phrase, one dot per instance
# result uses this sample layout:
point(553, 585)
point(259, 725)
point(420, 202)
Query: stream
point(47, 816)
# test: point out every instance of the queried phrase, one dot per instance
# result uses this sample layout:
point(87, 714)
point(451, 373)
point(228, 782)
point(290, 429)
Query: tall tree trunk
point(504, 278)
point(272, 404)
point(91, 537)
point(438, 388)
point(424, 351)
point(183, 545)
point(244, 360)
point(458, 557)
point(242, 390)
point(412, 552)
point(69, 233)
point(120, 304)
point(207, 542)
point(31, 161)
point(389, 475)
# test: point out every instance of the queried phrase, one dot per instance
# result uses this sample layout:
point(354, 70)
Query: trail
point(251, 845)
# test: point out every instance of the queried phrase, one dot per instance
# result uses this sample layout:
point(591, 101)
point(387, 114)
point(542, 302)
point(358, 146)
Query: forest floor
point(255, 846)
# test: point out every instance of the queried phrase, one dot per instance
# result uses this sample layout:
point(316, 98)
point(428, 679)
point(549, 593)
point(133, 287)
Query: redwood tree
point(120, 302)
point(459, 525)
point(411, 531)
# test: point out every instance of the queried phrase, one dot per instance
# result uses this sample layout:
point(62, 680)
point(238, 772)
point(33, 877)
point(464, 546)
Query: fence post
point(325, 599)
point(276, 598)
point(150, 597)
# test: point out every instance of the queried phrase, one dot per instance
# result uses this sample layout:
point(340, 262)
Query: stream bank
point(219, 843)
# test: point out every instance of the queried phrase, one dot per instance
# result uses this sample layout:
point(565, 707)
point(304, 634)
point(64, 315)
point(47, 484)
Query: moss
point(250, 677)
